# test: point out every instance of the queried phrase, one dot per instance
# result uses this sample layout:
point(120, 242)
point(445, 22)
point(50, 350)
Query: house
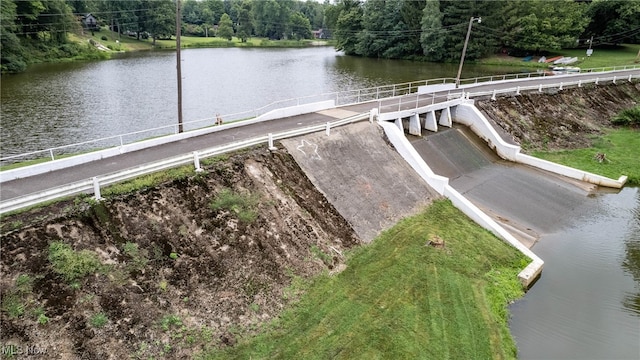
point(90, 22)
point(321, 34)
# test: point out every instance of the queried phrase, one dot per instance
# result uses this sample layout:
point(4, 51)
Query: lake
point(585, 306)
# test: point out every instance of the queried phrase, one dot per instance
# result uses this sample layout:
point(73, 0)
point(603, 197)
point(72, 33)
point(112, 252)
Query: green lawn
point(193, 41)
point(621, 147)
point(602, 57)
point(400, 298)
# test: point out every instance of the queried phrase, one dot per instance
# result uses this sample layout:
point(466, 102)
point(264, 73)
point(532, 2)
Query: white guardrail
point(403, 103)
point(341, 98)
point(94, 184)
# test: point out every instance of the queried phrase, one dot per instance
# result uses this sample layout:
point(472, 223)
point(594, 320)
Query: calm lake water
point(587, 303)
point(59, 104)
point(585, 306)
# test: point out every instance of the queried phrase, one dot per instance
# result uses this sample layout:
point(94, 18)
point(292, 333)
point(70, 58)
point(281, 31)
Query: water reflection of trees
point(631, 262)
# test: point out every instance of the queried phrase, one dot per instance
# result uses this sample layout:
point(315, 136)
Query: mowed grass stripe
point(400, 298)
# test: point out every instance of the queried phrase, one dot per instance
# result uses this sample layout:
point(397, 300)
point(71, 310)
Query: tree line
point(431, 30)
point(435, 30)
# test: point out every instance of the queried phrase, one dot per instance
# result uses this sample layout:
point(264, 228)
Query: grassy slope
point(401, 298)
point(621, 147)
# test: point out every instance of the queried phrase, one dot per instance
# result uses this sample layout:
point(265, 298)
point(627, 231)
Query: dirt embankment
point(193, 263)
point(177, 274)
point(565, 119)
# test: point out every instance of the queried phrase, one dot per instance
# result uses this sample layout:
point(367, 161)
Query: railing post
point(271, 147)
point(597, 80)
point(579, 83)
point(394, 90)
point(328, 130)
point(614, 79)
point(493, 97)
point(121, 141)
point(540, 88)
point(399, 103)
point(196, 162)
point(518, 90)
point(358, 96)
point(560, 86)
point(96, 189)
point(51, 153)
point(417, 99)
point(629, 77)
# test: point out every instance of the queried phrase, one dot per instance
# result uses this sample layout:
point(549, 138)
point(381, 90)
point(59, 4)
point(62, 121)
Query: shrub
point(72, 264)
point(239, 204)
point(103, 38)
point(628, 117)
point(98, 320)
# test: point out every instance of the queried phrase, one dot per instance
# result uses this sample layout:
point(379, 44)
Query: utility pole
point(464, 49)
point(179, 65)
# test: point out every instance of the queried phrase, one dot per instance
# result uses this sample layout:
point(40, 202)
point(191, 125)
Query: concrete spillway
point(528, 202)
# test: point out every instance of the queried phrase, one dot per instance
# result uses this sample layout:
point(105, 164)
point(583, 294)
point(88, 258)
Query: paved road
point(21, 187)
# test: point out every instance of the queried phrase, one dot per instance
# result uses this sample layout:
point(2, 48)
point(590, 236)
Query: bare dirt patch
point(177, 275)
point(566, 119)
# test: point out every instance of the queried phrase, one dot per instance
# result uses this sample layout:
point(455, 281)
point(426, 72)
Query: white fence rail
point(341, 98)
point(559, 86)
point(415, 101)
point(94, 184)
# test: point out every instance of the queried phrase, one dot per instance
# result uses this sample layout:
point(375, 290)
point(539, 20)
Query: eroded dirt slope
point(196, 276)
point(564, 119)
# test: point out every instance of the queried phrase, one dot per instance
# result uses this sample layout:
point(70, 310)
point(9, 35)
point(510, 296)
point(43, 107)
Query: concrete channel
point(526, 201)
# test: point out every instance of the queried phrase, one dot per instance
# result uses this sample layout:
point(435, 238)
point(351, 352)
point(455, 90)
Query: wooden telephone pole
point(179, 65)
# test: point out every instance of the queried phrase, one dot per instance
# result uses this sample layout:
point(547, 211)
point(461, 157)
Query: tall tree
point(272, 18)
point(160, 20)
point(432, 37)
point(614, 21)
point(11, 51)
point(216, 7)
point(245, 26)
point(225, 27)
point(547, 24)
point(300, 26)
point(348, 26)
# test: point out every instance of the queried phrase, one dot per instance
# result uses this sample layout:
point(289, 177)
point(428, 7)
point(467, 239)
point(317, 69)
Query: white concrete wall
point(441, 185)
point(404, 148)
point(466, 113)
point(428, 89)
point(42, 168)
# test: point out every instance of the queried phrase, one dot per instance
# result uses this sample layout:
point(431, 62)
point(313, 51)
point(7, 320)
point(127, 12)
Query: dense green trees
point(435, 29)
point(432, 30)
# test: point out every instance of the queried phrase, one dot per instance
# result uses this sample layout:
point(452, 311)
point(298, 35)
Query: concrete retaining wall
point(466, 113)
point(441, 185)
point(428, 89)
point(42, 168)
point(410, 155)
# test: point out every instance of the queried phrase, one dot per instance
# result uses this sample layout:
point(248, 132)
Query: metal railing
point(541, 73)
point(94, 184)
point(541, 87)
point(342, 98)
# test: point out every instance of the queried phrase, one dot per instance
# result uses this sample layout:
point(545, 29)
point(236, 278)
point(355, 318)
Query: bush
point(239, 204)
point(98, 320)
point(72, 264)
point(103, 38)
point(627, 117)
